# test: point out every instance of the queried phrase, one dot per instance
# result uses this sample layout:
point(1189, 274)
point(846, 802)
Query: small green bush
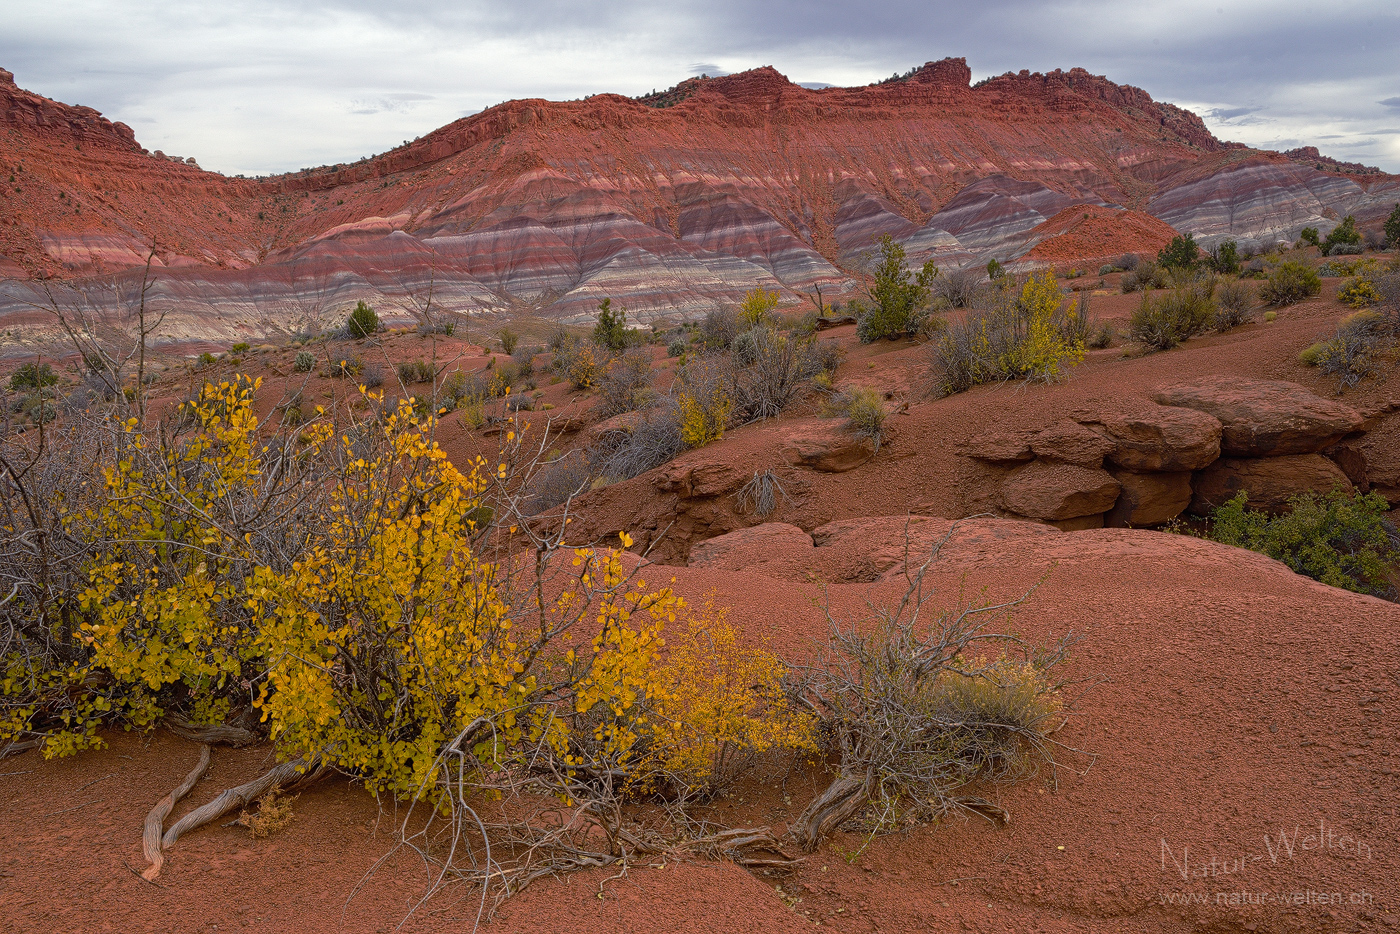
point(240, 347)
point(676, 348)
point(362, 321)
point(1363, 343)
point(32, 376)
point(1392, 229)
point(205, 359)
point(898, 297)
point(1180, 253)
point(1291, 281)
point(1107, 269)
point(994, 270)
point(1342, 539)
point(1344, 234)
point(611, 330)
point(305, 361)
point(1309, 237)
point(508, 340)
point(1225, 258)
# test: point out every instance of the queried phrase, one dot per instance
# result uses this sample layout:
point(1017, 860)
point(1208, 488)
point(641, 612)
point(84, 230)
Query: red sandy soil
point(1228, 701)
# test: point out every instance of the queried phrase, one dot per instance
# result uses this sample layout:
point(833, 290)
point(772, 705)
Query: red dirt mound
point(1090, 233)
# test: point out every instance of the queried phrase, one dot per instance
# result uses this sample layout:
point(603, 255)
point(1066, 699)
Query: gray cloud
point(269, 85)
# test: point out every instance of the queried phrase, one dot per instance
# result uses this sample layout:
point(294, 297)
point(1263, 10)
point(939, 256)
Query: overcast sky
point(258, 86)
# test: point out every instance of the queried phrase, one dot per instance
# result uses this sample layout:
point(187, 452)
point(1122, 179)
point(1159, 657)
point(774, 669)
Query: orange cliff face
point(730, 183)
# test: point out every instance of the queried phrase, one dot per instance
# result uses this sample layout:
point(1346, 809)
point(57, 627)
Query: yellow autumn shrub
point(373, 635)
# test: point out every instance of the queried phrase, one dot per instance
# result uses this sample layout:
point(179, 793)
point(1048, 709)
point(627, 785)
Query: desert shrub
point(508, 340)
point(865, 413)
point(415, 371)
point(1225, 258)
point(273, 814)
point(676, 348)
point(1180, 253)
point(369, 630)
point(1309, 236)
point(1391, 228)
point(524, 359)
point(1373, 238)
point(780, 368)
point(611, 332)
point(1032, 336)
point(1143, 276)
point(625, 383)
point(1358, 293)
point(704, 403)
point(917, 704)
point(719, 328)
point(961, 287)
point(898, 297)
point(756, 310)
point(1344, 234)
point(654, 439)
point(745, 348)
point(362, 321)
point(205, 360)
point(1342, 539)
point(347, 369)
point(1163, 322)
point(304, 361)
point(760, 496)
point(1254, 269)
point(240, 347)
point(1234, 305)
point(1101, 336)
point(558, 480)
point(995, 270)
point(1107, 269)
point(1290, 282)
point(576, 361)
point(371, 376)
point(1362, 343)
point(31, 377)
point(1128, 262)
point(1347, 249)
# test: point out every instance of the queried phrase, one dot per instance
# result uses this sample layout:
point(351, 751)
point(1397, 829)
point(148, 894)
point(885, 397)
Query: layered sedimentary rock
point(728, 184)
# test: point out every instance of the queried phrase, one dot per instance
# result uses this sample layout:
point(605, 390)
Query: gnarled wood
point(223, 734)
point(150, 836)
point(841, 801)
point(19, 746)
point(286, 775)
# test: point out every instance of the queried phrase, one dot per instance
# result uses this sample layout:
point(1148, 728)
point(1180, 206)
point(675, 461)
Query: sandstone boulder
point(1050, 490)
point(1149, 498)
point(734, 550)
point(1164, 439)
point(1269, 481)
point(1000, 447)
point(825, 445)
point(1072, 443)
point(1265, 418)
point(699, 479)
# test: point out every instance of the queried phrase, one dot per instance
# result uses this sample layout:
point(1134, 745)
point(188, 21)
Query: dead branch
point(286, 775)
point(222, 734)
point(150, 836)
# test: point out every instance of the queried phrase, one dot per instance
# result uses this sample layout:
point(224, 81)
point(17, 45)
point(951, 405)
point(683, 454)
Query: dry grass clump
point(1234, 305)
point(915, 711)
point(1143, 276)
point(1163, 322)
point(865, 413)
point(761, 495)
point(626, 382)
point(1363, 344)
point(273, 814)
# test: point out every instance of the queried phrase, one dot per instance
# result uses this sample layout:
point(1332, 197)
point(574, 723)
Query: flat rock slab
point(1268, 481)
point(1163, 439)
point(1051, 490)
point(746, 545)
point(825, 445)
point(1000, 447)
point(1072, 443)
point(1265, 418)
